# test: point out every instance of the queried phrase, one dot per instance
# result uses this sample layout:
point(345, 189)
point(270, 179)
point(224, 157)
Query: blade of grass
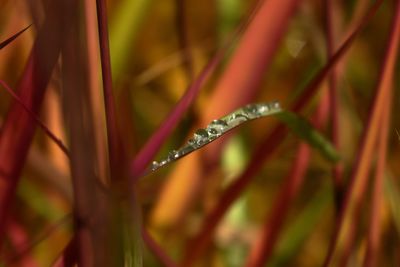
point(12, 38)
point(46, 130)
point(96, 95)
point(236, 87)
point(116, 154)
point(308, 133)
point(18, 128)
point(148, 151)
point(117, 158)
point(333, 96)
point(375, 220)
point(93, 206)
point(366, 151)
point(266, 148)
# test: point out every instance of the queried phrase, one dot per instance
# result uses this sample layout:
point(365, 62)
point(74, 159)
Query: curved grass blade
point(238, 85)
point(219, 127)
point(266, 148)
point(12, 38)
point(46, 130)
point(147, 153)
point(308, 133)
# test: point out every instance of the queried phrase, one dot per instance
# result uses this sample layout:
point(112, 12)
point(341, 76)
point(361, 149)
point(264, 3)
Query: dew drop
point(216, 128)
point(154, 165)
point(219, 125)
point(173, 155)
point(213, 132)
point(200, 137)
point(236, 119)
point(263, 109)
point(275, 106)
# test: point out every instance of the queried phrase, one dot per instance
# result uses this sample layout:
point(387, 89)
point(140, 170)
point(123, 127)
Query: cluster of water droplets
point(218, 127)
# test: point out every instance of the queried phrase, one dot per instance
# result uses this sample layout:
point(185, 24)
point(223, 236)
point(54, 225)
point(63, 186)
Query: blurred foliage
point(150, 76)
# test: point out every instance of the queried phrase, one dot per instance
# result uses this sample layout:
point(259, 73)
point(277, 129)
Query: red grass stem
point(333, 98)
point(46, 130)
point(116, 154)
point(374, 231)
point(361, 167)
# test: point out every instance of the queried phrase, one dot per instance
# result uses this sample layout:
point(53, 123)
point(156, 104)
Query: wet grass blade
point(149, 150)
point(375, 220)
point(266, 148)
point(12, 38)
point(265, 27)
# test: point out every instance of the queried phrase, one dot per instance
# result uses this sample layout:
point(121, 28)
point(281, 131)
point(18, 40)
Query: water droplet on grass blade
point(200, 137)
point(154, 165)
point(236, 119)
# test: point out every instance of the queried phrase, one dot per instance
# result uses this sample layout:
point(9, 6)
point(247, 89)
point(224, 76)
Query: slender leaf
point(12, 38)
point(308, 133)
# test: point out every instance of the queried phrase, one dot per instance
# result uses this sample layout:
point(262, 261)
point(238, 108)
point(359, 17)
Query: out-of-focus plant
point(100, 101)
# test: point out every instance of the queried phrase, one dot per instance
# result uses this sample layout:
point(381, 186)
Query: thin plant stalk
point(333, 97)
point(361, 167)
point(375, 227)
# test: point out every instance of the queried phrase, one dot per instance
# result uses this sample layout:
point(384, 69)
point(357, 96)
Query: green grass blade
point(308, 133)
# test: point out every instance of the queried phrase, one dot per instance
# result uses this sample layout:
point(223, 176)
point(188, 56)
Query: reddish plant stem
point(333, 97)
point(18, 129)
point(46, 130)
point(374, 231)
point(113, 136)
point(361, 167)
